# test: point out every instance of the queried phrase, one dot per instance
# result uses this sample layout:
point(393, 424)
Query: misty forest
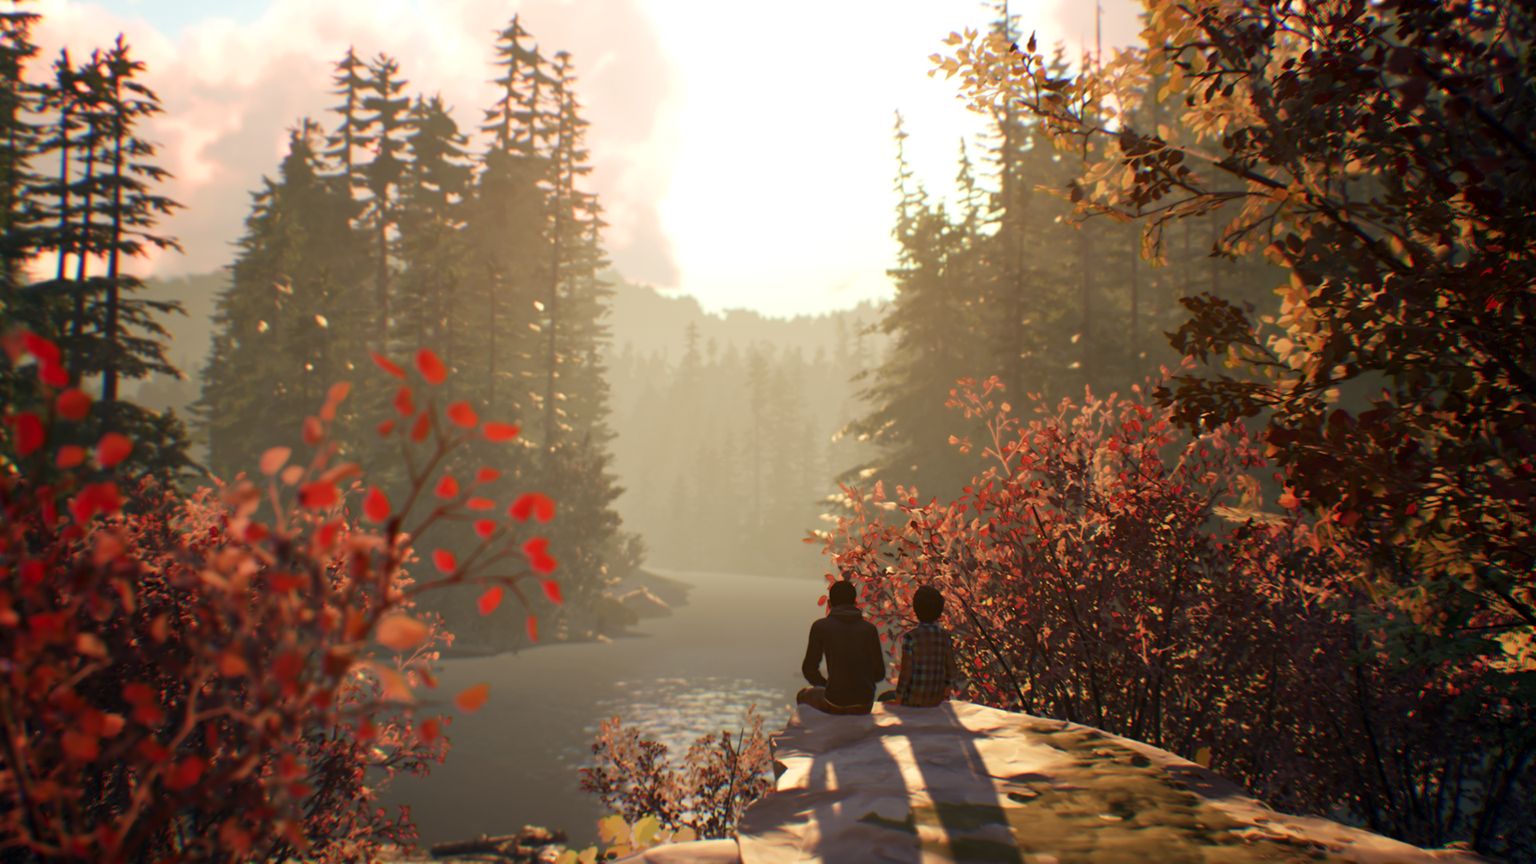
point(1206, 400)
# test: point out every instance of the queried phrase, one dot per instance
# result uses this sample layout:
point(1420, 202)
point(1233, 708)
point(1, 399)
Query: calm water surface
point(737, 643)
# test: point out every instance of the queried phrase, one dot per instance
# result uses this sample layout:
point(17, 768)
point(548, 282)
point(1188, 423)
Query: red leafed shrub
point(1107, 570)
point(181, 681)
point(717, 780)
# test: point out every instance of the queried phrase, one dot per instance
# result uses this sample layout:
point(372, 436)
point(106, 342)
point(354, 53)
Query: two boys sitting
point(855, 662)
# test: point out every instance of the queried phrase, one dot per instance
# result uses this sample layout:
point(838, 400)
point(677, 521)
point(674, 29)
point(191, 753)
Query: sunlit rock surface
point(962, 782)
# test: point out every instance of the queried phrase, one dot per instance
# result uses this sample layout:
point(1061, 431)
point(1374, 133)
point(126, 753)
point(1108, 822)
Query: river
point(737, 642)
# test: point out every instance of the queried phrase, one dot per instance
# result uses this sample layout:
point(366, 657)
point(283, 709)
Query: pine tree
point(935, 323)
point(289, 325)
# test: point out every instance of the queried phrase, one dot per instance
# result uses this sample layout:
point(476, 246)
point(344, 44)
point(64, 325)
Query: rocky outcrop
point(963, 782)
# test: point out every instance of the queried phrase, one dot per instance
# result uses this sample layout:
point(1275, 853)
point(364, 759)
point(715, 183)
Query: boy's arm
point(811, 666)
point(904, 677)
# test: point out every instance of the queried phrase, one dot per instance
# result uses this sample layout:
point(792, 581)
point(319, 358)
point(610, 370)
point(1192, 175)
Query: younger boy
point(927, 655)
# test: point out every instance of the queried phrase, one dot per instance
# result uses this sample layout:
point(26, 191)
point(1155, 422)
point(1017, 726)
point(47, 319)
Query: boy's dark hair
point(842, 593)
point(927, 603)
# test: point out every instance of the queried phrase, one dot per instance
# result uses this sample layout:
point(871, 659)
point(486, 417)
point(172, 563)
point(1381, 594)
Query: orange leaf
point(69, 456)
point(463, 415)
point(480, 504)
point(318, 495)
point(485, 528)
point(472, 699)
point(73, 404)
point(447, 487)
point(552, 591)
point(430, 367)
point(375, 505)
point(112, 449)
point(429, 730)
point(500, 431)
point(274, 459)
point(421, 427)
point(313, 431)
point(338, 392)
point(384, 363)
point(490, 599)
point(446, 561)
point(533, 628)
point(401, 632)
point(79, 746)
point(486, 475)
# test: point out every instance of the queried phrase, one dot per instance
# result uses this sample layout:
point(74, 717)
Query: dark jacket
point(854, 659)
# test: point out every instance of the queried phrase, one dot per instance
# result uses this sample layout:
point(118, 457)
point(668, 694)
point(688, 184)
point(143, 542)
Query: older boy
point(927, 654)
point(854, 659)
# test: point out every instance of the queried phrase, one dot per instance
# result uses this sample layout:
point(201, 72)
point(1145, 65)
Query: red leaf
point(463, 415)
point(69, 456)
point(533, 628)
point(446, 561)
point(535, 504)
point(33, 571)
point(490, 599)
point(318, 495)
point(552, 591)
point(486, 475)
point(95, 498)
point(28, 432)
point(45, 352)
point(73, 404)
point(499, 432)
point(480, 504)
point(540, 560)
point(112, 449)
point(405, 404)
point(313, 431)
point(53, 375)
point(430, 367)
point(421, 427)
point(384, 363)
point(186, 774)
point(385, 428)
point(485, 528)
point(447, 487)
point(472, 699)
point(375, 505)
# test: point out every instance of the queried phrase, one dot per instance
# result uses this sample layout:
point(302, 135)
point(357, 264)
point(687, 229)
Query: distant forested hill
point(725, 457)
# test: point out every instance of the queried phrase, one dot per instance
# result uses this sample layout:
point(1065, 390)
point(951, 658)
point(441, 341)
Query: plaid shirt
point(927, 666)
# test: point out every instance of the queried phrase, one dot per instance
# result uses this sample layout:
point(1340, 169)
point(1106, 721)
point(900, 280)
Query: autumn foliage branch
point(184, 681)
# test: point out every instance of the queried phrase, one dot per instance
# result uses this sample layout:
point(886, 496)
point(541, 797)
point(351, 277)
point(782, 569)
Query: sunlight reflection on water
point(678, 711)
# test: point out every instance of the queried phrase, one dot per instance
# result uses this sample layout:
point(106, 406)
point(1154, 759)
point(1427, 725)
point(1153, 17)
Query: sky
point(743, 151)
